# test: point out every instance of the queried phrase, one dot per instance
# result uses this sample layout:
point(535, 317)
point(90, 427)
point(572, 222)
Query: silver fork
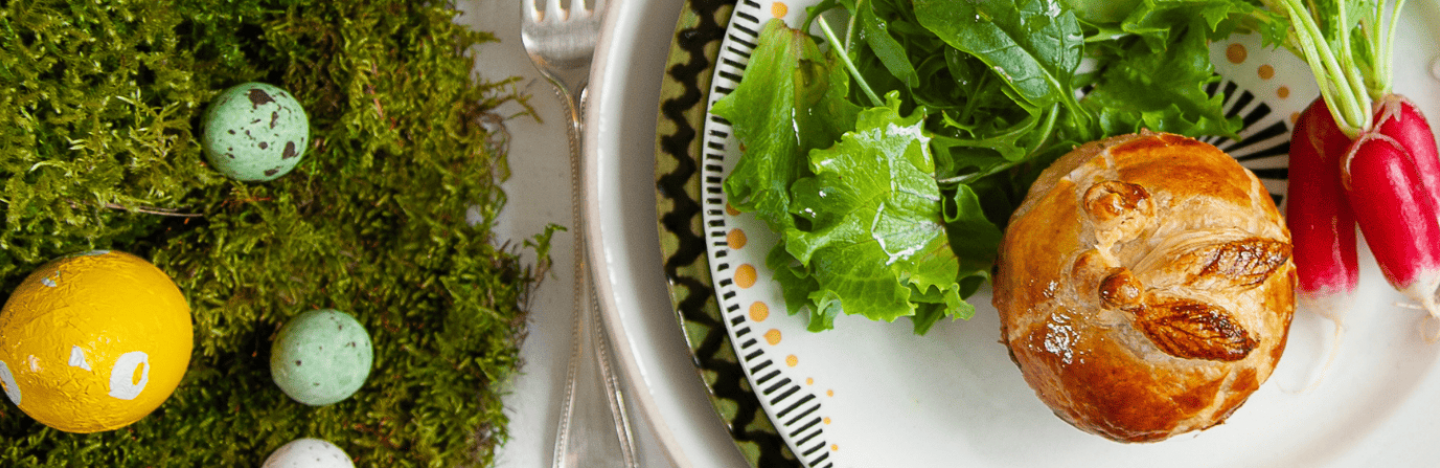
point(594, 429)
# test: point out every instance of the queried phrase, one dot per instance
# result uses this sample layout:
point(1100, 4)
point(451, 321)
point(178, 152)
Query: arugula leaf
point(972, 236)
point(877, 234)
point(1156, 21)
point(1174, 98)
point(791, 104)
point(889, 51)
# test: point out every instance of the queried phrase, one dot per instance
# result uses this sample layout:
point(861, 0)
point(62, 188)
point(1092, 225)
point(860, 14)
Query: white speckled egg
point(254, 132)
point(308, 453)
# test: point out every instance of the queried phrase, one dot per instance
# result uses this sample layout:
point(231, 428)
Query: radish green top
point(1349, 45)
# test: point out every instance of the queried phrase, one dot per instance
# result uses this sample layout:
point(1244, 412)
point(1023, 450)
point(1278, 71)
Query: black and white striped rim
point(1264, 144)
point(795, 410)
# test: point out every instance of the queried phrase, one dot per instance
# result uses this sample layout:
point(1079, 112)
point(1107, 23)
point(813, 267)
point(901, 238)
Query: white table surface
point(538, 195)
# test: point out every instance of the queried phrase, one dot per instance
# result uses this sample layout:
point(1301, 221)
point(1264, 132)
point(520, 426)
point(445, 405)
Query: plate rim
point(701, 27)
point(613, 37)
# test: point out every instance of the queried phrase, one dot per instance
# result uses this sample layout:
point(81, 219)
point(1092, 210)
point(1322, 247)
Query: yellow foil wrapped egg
point(94, 341)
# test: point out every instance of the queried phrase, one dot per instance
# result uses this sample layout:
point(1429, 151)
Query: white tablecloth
point(538, 195)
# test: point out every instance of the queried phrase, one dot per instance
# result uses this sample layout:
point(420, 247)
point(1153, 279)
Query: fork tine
point(554, 10)
point(597, 8)
point(528, 12)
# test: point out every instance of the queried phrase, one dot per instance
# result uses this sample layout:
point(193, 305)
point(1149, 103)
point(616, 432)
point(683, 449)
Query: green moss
point(99, 149)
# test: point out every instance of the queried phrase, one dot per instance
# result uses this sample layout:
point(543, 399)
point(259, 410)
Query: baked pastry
point(1145, 286)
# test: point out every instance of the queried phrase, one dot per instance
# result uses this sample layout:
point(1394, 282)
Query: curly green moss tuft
point(99, 149)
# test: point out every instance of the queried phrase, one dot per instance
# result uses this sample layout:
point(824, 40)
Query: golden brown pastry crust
point(1145, 286)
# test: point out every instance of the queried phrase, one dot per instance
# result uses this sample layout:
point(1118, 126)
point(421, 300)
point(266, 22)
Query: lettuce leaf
point(875, 241)
point(800, 106)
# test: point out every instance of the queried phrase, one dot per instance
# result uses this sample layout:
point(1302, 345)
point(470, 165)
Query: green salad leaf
point(1174, 99)
point(1032, 45)
point(1155, 21)
point(895, 209)
point(801, 107)
point(874, 229)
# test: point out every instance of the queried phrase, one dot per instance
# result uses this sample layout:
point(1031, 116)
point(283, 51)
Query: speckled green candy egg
point(321, 357)
point(254, 132)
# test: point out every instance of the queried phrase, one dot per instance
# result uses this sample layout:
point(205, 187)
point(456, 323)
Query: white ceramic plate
point(873, 395)
point(961, 402)
point(620, 159)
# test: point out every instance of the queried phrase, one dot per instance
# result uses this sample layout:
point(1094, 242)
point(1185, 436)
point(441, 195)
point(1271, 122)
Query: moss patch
point(99, 149)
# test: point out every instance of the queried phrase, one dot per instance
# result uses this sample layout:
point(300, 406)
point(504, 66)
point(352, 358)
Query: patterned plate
point(780, 411)
point(683, 105)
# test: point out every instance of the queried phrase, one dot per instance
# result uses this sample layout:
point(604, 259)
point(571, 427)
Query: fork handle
point(594, 429)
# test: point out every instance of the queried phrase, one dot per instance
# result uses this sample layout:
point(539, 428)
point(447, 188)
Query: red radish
point(1399, 118)
point(1321, 224)
point(1397, 215)
point(1391, 171)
